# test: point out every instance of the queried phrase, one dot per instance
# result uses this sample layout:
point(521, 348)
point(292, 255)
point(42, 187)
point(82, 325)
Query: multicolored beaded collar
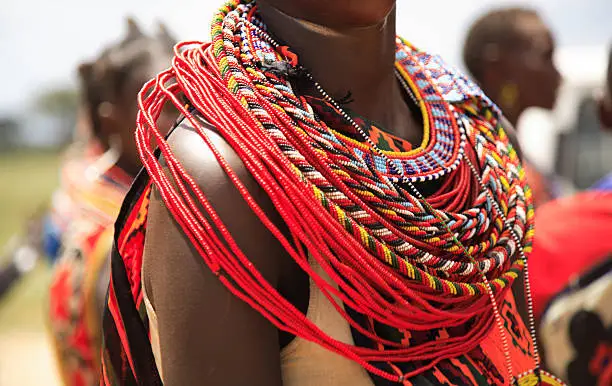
point(444, 139)
point(443, 134)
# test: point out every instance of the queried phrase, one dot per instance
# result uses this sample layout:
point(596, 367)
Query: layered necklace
point(392, 255)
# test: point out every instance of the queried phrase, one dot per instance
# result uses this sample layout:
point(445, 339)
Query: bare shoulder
point(198, 159)
point(206, 332)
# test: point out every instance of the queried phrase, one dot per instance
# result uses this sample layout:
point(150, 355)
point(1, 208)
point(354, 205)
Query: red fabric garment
point(572, 234)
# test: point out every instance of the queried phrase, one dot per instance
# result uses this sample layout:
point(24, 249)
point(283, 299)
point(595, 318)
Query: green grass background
point(27, 179)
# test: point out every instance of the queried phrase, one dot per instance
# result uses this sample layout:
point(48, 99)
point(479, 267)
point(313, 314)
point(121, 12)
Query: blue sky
point(42, 41)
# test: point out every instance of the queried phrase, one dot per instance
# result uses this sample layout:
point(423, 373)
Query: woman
point(509, 52)
point(281, 237)
point(94, 183)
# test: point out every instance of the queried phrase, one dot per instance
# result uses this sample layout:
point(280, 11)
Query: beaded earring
point(509, 95)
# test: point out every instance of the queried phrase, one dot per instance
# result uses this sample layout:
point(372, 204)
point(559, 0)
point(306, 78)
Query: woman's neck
point(359, 61)
point(512, 114)
point(512, 110)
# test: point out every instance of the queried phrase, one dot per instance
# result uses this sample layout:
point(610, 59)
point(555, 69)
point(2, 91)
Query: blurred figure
point(509, 52)
point(81, 153)
point(20, 254)
point(42, 234)
point(94, 182)
point(572, 261)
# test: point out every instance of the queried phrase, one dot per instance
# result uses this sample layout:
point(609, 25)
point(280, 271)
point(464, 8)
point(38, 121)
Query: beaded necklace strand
point(403, 179)
point(390, 256)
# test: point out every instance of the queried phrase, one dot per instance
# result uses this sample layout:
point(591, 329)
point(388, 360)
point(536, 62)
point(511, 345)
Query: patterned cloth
point(86, 242)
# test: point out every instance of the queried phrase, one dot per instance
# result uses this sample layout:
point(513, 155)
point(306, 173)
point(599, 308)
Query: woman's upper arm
point(207, 335)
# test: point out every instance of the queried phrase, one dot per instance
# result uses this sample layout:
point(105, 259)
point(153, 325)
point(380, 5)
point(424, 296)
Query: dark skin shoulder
point(206, 333)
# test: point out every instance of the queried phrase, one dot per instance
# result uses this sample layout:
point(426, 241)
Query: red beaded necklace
point(391, 255)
